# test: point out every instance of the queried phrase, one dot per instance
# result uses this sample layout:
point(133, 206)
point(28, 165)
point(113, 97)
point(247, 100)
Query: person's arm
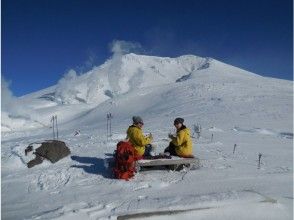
point(179, 139)
point(140, 139)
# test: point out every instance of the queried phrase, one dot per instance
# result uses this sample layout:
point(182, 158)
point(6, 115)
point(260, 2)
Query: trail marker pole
point(235, 145)
point(197, 130)
point(259, 160)
point(211, 137)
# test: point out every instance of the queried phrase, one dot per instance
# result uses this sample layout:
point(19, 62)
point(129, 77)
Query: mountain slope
point(233, 107)
point(129, 74)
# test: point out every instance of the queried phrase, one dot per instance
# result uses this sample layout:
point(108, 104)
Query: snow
point(236, 106)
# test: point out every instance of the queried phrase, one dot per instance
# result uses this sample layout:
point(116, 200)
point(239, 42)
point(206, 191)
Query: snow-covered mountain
point(128, 72)
point(120, 77)
point(233, 107)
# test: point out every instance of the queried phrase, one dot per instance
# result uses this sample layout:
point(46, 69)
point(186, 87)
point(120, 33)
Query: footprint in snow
point(99, 211)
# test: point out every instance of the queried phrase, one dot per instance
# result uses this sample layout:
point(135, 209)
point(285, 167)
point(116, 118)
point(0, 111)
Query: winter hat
point(179, 121)
point(137, 120)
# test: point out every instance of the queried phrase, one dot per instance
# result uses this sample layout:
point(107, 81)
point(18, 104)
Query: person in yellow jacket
point(181, 145)
point(141, 143)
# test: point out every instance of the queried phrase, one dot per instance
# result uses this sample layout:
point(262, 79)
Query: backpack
point(124, 167)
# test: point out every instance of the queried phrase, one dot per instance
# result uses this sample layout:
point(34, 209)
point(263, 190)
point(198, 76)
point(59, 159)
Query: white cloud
point(11, 106)
point(65, 91)
point(7, 98)
point(120, 47)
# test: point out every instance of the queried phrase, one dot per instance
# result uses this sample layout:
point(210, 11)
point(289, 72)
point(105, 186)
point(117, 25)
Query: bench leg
point(176, 167)
point(180, 167)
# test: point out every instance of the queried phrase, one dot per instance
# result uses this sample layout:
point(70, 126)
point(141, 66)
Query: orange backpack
point(124, 167)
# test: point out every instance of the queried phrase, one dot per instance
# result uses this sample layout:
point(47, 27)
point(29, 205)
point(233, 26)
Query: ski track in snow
point(131, 205)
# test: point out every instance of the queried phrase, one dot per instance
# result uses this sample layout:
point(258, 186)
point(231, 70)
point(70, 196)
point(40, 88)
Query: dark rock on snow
point(52, 150)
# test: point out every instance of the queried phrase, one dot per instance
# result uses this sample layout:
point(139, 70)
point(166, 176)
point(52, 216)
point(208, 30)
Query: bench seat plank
point(164, 162)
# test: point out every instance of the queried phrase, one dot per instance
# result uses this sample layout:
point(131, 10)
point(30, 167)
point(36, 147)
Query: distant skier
point(181, 144)
point(141, 143)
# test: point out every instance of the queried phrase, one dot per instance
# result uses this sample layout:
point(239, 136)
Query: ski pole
point(107, 127)
point(110, 132)
point(52, 120)
point(56, 126)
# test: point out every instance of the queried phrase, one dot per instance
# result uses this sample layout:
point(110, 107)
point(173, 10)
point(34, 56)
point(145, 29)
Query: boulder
point(52, 150)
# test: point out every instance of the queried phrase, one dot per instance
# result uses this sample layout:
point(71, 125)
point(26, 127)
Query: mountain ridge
point(124, 80)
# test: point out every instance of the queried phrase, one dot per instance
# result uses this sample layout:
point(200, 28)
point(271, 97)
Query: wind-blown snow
point(236, 106)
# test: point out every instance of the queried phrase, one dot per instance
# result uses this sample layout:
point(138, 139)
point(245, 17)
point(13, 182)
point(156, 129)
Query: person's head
point(138, 121)
point(178, 123)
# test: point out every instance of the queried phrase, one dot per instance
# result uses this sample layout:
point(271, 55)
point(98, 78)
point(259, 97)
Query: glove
point(170, 136)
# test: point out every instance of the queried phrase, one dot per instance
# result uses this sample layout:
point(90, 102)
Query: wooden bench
point(175, 163)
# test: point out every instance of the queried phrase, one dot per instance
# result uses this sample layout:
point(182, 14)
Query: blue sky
point(41, 40)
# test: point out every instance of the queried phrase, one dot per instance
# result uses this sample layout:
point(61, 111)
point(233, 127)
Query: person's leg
point(167, 150)
point(171, 149)
point(149, 150)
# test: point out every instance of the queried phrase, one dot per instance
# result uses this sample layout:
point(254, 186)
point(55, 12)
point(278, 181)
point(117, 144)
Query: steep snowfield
point(236, 106)
point(116, 77)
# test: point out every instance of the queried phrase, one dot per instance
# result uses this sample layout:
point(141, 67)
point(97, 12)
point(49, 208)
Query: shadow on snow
point(92, 165)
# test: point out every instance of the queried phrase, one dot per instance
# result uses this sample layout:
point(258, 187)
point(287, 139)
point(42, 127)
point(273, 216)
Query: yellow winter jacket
point(137, 139)
point(183, 142)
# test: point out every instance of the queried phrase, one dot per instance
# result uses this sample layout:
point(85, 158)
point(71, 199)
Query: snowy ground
point(82, 187)
point(253, 112)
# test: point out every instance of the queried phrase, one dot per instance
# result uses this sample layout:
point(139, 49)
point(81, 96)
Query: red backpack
point(124, 167)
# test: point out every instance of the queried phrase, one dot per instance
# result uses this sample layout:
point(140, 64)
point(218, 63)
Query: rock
point(52, 150)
